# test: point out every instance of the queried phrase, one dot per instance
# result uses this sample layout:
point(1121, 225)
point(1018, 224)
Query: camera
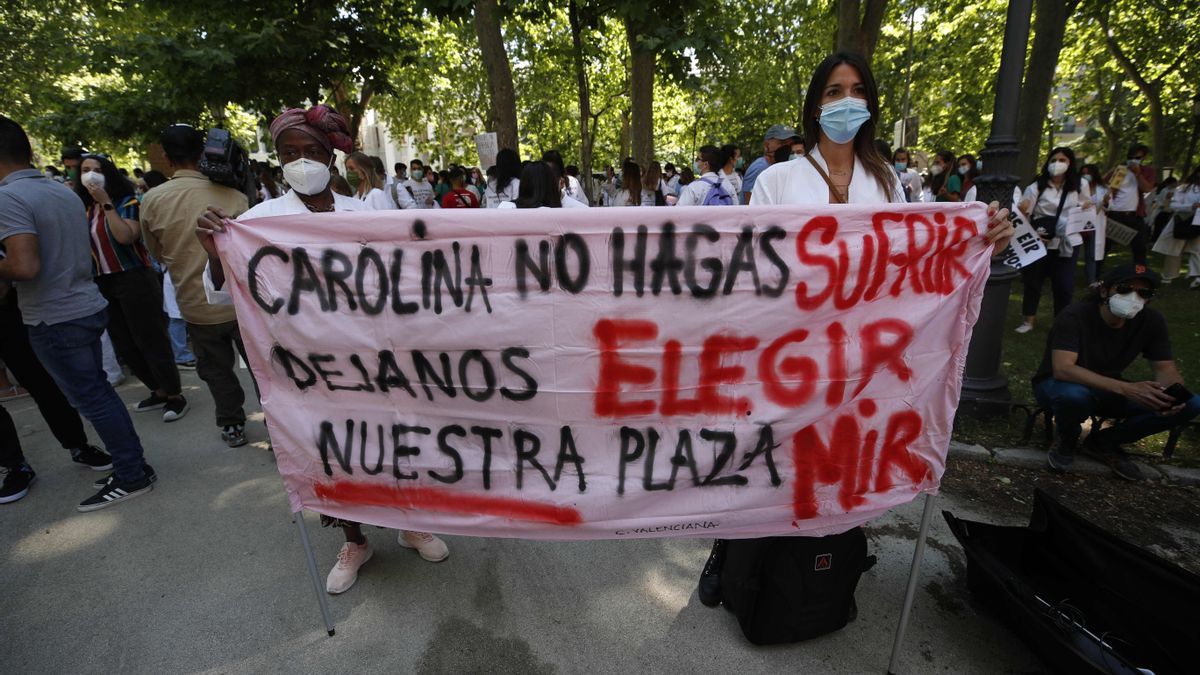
point(224, 161)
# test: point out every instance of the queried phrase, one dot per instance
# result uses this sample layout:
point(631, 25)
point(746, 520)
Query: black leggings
point(138, 327)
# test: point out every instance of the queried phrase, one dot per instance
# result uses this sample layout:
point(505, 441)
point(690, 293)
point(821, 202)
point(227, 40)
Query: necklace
point(318, 209)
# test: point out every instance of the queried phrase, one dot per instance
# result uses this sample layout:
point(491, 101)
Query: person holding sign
point(842, 166)
point(1091, 344)
point(305, 140)
point(1057, 190)
point(1128, 183)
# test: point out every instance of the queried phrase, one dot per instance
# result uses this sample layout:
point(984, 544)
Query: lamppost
point(984, 385)
point(1187, 162)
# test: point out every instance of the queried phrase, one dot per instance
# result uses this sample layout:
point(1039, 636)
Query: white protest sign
point(1026, 246)
point(1122, 234)
point(1081, 220)
point(487, 146)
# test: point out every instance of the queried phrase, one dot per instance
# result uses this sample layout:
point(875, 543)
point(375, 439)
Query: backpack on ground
point(787, 589)
point(716, 196)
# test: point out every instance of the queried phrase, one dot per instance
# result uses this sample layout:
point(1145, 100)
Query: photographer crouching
point(1091, 344)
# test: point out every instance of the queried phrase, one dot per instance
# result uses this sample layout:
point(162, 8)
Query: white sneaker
point(1024, 328)
point(345, 572)
point(430, 547)
point(1195, 283)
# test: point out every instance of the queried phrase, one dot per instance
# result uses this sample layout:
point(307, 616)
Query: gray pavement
point(206, 574)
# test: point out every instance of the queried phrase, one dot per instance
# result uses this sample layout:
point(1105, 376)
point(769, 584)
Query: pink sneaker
point(345, 572)
point(430, 547)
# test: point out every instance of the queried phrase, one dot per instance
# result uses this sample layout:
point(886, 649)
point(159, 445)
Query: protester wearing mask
point(1047, 201)
point(777, 136)
point(1125, 201)
point(418, 185)
point(910, 180)
point(1180, 237)
point(671, 180)
point(945, 181)
point(733, 162)
point(72, 157)
point(305, 141)
point(709, 160)
point(126, 278)
point(1090, 346)
point(842, 166)
point(367, 183)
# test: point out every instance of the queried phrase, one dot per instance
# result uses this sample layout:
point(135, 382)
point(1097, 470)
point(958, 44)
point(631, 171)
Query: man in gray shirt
point(44, 232)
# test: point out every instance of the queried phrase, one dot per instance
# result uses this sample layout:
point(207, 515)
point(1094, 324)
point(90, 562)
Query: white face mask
point(1126, 306)
point(935, 169)
point(306, 176)
point(1058, 167)
point(92, 179)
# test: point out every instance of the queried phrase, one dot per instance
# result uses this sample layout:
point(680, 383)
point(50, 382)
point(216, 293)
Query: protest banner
point(581, 374)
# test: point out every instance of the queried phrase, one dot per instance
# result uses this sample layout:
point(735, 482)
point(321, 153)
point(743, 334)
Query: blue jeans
point(70, 352)
point(177, 328)
point(1073, 403)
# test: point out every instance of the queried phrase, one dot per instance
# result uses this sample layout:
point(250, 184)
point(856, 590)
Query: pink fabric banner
point(609, 373)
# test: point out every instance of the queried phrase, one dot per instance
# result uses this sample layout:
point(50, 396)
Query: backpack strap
point(837, 197)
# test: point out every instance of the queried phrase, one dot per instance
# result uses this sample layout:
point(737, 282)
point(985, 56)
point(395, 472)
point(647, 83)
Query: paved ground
point(206, 574)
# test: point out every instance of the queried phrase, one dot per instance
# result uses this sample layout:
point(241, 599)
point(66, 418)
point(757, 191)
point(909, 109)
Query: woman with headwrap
point(304, 141)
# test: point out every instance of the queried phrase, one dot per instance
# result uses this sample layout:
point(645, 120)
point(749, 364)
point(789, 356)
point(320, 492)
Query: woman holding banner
point(842, 166)
point(305, 140)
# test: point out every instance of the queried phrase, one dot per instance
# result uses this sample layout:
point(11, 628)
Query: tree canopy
point(111, 74)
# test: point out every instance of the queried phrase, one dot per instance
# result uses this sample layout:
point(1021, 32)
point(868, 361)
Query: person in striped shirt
point(121, 263)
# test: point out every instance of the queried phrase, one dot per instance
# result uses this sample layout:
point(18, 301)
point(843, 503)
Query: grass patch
point(1023, 354)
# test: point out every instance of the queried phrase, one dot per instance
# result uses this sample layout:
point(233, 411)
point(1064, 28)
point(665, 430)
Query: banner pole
point(322, 600)
point(911, 591)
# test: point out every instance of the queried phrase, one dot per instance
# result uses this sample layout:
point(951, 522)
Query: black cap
point(182, 141)
point(1129, 272)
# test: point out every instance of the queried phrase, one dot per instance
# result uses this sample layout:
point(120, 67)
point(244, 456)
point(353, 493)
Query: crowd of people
point(147, 274)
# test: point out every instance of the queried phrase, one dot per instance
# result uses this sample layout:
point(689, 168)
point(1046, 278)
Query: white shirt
point(287, 205)
point(623, 198)
point(693, 193)
point(911, 181)
point(399, 197)
point(492, 197)
point(575, 191)
point(1047, 204)
point(1125, 198)
point(422, 192)
point(672, 186)
point(1185, 197)
point(378, 200)
point(797, 182)
point(736, 181)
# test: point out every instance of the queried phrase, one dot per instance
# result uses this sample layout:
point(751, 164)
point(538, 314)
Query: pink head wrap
point(323, 123)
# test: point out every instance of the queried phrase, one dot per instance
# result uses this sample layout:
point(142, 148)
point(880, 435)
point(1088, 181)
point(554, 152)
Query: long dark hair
point(864, 141)
point(939, 181)
point(539, 187)
point(508, 167)
point(631, 181)
point(1070, 178)
point(972, 173)
point(117, 186)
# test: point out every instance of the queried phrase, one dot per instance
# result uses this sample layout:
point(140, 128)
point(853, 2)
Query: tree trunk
point(846, 39)
point(872, 22)
point(858, 28)
point(641, 96)
point(499, 74)
point(585, 99)
point(1049, 26)
point(1151, 90)
point(625, 141)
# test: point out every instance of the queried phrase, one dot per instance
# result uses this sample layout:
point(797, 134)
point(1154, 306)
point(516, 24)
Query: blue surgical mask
point(901, 166)
point(842, 119)
point(696, 168)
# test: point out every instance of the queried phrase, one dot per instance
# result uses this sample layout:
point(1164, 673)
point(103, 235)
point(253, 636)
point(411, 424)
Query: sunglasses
point(1144, 293)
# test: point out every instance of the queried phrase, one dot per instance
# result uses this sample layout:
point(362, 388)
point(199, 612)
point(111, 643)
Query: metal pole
point(984, 385)
point(322, 600)
point(918, 556)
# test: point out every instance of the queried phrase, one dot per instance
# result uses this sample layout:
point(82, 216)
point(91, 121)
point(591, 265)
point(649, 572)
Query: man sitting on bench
point(1090, 345)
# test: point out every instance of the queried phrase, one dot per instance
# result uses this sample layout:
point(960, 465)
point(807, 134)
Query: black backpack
point(787, 589)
